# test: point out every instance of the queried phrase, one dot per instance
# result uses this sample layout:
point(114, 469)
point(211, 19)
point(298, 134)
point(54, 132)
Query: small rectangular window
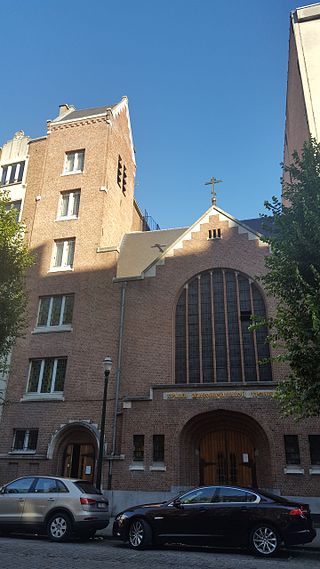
point(47, 375)
point(314, 446)
point(25, 440)
point(158, 448)
point(55, 311)
point(74, 162)
point(124, 179)
point(12, 173)
point(138, 448)
point(291, 444)
point(119, 171)
point(69, 205)
point(63, 254)
point(16, 205)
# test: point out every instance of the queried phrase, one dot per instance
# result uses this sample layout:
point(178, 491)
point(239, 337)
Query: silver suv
point(58, 506)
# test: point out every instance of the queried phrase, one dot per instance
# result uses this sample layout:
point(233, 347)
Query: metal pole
point(118, 380)
point(102, 429)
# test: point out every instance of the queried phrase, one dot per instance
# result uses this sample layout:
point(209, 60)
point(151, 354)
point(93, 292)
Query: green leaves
point(293, 278)
point(14, 261)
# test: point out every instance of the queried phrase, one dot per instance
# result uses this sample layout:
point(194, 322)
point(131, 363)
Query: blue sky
point(206, 82)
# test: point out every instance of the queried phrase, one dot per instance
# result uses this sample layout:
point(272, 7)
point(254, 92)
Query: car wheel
point(59, 527)
point(140, 534)
point(264, 540)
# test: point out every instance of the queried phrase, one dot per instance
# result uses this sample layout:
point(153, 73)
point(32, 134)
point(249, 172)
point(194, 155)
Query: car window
point(234, 495)
point(274, 497)
point(45, 485)
point(199, 496)
point(86, 487)
point(61, 487)
point(21, 486)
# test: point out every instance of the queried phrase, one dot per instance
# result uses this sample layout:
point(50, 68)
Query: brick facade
point(132, 320)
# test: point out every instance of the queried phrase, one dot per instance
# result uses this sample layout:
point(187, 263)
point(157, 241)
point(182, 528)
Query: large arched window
point(213, 342)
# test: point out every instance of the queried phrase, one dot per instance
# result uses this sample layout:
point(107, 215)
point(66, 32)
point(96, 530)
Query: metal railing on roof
point(148, 223)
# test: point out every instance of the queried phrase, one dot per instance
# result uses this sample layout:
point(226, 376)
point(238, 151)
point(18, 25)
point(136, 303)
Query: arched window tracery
point(213, 342)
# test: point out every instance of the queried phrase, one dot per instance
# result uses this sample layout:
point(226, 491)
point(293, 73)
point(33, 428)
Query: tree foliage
point(293, 278)
point(14, 261)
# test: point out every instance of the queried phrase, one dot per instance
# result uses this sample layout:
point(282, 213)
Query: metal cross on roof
point(212, 182)
point(158, 246)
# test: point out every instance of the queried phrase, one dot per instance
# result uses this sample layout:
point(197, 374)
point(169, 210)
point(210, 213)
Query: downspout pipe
point(118, 381)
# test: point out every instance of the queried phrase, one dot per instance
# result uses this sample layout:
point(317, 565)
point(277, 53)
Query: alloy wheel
point(265, 540)
point(58, 527)
point(136, 534)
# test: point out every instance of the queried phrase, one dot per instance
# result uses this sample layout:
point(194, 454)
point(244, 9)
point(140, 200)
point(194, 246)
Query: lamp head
point(107, 364)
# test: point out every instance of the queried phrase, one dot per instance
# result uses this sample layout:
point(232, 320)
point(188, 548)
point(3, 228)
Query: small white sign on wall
point(88, 469)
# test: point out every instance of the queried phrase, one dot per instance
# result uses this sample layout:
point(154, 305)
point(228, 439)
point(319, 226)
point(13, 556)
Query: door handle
point(51, 499)
point(21, 499)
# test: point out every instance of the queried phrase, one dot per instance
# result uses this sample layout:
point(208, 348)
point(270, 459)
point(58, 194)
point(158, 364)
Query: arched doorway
point(75, 449)
point(227, 457)
point(224, 447)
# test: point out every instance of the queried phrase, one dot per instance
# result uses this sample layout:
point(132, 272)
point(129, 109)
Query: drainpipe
point(118, 381)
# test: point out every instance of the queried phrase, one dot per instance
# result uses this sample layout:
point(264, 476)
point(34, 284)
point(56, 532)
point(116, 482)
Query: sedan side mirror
point(177, 503)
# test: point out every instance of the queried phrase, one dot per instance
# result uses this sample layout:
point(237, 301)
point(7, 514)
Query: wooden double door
point(227, 457)
point(78, 461)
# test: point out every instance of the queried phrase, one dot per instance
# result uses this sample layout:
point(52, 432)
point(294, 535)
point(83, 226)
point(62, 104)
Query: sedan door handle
point(21, 499)
point(51, 499)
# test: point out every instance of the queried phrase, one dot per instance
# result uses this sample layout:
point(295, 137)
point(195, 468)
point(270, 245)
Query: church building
point(189, 400)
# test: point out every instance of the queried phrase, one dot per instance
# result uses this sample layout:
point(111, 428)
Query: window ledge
point(293, 470)
point(67, 218)
point(60, 269)
point(59, 396)
point(73, 172)
point(314, 470)
point(158, 467)
point(48, 329)
point(138, 466)
point(22, 452)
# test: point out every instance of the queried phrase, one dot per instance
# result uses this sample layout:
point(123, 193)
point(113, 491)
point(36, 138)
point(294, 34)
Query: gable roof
point(112, 111)
point(82, 113)
point(141, 252)
point(140, 249)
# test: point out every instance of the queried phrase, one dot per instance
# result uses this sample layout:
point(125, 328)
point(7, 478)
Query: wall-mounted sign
point(243, 394)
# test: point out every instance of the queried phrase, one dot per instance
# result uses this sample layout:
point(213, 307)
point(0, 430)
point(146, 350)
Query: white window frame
point(9, 171)
point(57, 327)
point(65, 253)
point(77, 160)
point(69, 215)
point(38, 394)
point(25, 449)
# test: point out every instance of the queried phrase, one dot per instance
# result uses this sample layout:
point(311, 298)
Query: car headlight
point(121, 519)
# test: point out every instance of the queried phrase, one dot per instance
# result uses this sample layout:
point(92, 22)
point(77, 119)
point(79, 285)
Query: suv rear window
point(86, 487)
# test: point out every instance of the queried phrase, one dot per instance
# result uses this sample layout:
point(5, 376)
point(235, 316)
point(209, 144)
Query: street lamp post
point(107, 365)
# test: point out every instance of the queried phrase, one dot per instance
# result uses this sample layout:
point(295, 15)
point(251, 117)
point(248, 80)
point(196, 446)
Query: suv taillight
point(87, 501)
point(298, 512)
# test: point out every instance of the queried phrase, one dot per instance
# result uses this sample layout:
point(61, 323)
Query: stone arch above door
point(229, 436)
point(74, 449)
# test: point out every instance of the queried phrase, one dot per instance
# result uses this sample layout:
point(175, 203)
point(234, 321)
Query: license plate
point(102, 505)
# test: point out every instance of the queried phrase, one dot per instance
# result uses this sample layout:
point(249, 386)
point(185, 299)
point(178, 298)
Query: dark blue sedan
point(218, 516)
